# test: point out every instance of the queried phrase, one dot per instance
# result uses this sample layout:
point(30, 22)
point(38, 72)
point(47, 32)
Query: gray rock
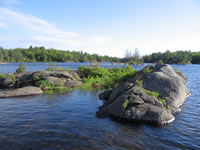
point(130, 102)
point(149, 113)
point(6, 82)
point(73, 83)
point(25, 91)
point(105, 94)
point(56, 78)
point(168, 84)
point(55, 81)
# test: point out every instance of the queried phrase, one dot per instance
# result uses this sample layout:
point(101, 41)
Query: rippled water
point(68, 121)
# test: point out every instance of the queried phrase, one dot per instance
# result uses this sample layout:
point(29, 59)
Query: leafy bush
point(147, 70)
point(8, 76)
point(106, 78)
point(21, 68)
point(3, 75)
point(45, 84)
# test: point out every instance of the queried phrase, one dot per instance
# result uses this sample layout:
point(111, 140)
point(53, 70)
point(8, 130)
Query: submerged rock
point(153, 94)
point(25, 91)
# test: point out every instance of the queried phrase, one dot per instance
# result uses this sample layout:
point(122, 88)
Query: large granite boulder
point(25, 91)
point(153, 94)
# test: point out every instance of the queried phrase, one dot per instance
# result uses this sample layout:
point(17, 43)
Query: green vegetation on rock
point(104, 78)
point(155, 95)
point(139, 82)
point(147, 70)
point(45, 85)
point(125, 104)
point(3, 75)
point(52, 67)
point(48, 87)
point(21, 68)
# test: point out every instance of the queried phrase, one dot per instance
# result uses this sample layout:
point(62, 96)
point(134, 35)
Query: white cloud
point(36, 31)
point(2, 24)
point(33, 23)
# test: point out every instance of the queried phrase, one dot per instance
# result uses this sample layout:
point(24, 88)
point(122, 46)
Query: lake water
point(68, 121)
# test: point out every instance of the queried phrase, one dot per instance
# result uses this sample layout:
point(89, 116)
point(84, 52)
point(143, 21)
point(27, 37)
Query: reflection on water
point(68, 121)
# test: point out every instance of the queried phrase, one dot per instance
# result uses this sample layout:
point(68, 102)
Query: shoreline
point(3, 62)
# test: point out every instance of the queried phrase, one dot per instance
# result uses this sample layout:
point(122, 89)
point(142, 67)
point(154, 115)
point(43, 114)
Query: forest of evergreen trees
point(40, 54)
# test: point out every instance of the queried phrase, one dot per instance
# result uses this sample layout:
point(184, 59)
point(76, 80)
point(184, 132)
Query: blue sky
point(105, 27)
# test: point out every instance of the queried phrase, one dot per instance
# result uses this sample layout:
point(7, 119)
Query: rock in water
point(153, 95)
point(25, 91)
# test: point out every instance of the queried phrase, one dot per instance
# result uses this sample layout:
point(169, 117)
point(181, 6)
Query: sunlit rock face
point(152, 95)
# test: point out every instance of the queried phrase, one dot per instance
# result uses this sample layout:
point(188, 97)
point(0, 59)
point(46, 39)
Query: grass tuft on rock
point(125, 104)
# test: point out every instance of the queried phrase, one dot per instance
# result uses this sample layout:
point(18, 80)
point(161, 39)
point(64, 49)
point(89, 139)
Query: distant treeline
point(178, 57)
point(40, 54)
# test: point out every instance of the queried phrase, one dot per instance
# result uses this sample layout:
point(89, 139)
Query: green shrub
point(45, 84)
point(13, 77)
point(36, 78)
point(106, 78)
point(59, 69)
point(156, 95)
point(51, 67)
point(67, 69)
point(152, 93)
point(139, 82)
point(147, 70)
point(8, 76)
point(59, 86)
point(160, 62)
point(162, 101)
point(125, 104)
point(3, 75)
point(21, 68)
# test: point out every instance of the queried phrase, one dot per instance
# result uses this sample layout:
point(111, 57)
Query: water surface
point(68, 121)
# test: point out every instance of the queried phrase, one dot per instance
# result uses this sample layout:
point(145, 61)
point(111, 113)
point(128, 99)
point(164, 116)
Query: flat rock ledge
point(152, 95)
point(25, 91)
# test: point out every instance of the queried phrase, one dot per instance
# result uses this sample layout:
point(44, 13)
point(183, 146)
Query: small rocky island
point(34, 83)
point(153, 95)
